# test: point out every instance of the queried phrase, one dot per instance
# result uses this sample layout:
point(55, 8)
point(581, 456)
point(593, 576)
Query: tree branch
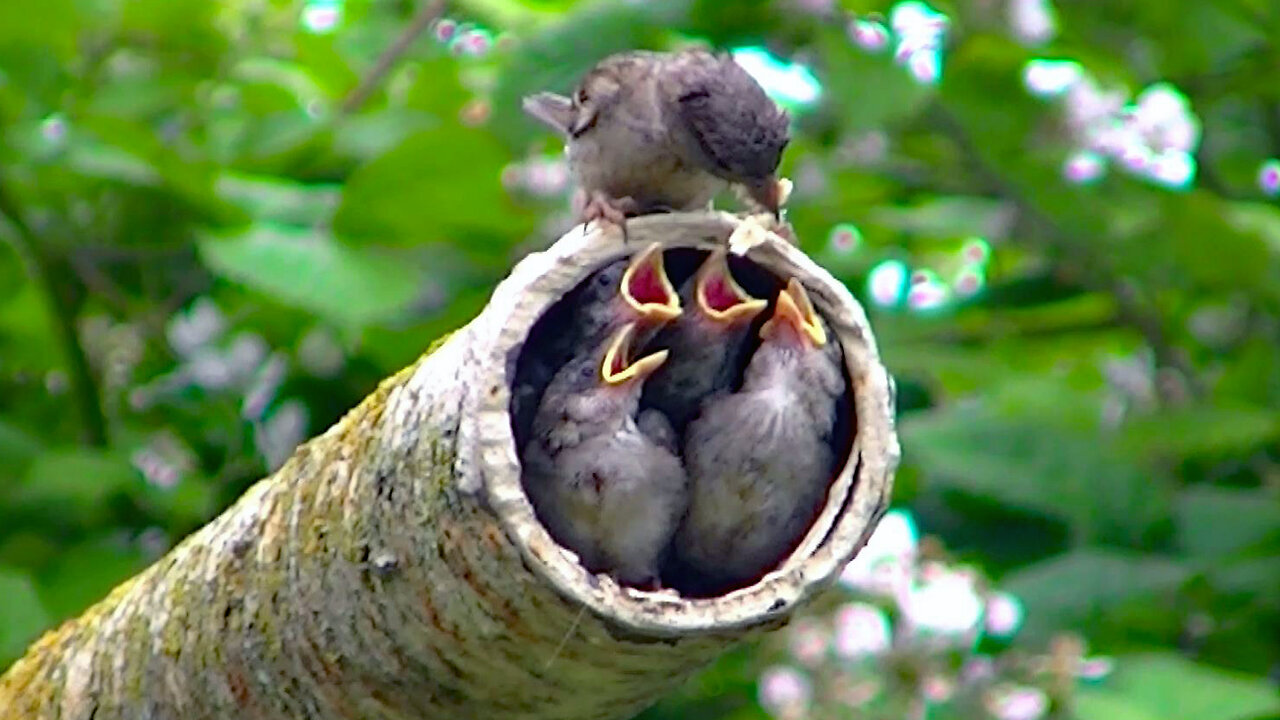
point(426, 15)
point(394, 567)
point(84, 387)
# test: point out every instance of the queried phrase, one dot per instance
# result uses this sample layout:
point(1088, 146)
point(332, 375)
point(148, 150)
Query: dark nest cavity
point(539, 356)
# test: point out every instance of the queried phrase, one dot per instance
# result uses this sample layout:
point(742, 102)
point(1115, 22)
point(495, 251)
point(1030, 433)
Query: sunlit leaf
point(1217, 521)
point(1067, 590)
point(439, 184)
point(1169, 687)
point(308, 269)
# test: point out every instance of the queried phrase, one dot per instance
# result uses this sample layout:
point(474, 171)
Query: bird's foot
point(598, 206)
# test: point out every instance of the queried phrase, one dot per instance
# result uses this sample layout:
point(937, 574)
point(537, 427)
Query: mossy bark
point(393, 568)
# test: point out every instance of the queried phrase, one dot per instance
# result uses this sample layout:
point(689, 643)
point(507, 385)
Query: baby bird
point(627, 290)
point(648, 131)
point(759, 460)
point(706, 342)
point(603, 487)
point(636, 290)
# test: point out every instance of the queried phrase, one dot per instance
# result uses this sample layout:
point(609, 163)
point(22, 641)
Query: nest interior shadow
point(544, 351)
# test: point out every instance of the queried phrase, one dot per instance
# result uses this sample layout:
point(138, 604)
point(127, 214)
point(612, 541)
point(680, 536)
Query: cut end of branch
point(856, 497)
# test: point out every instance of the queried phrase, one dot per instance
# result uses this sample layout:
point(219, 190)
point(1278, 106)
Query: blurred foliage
point(211, 252)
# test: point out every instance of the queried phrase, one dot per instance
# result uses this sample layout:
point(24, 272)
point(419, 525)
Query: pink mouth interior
point(647, 287)
point(719, 294)
point(619, 361)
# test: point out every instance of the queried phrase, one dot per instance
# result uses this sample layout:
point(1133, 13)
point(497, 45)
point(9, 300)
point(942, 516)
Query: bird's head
point(619, 370)
point(794, 324)
point(572, 116)
point(646, 292)
point(601, 386)
point(719, 298)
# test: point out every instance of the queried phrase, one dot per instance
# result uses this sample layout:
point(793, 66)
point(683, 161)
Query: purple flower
point(861, 629)
point(1004, 614)
point(808, 641)
point(869, 35)
point(785, 692)
point(1018, 703)
point(1269, 176)
point(1033, 22)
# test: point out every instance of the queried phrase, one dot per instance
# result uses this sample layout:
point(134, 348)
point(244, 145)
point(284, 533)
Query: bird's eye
point(580, 96)
point(587, 371)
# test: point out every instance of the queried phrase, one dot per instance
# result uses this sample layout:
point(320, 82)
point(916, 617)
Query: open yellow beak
point(647, 289)
point(795, 311)
point(720, 296)
point(618, 368)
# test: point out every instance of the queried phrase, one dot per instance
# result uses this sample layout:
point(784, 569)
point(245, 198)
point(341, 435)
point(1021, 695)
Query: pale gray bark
point(393, 568)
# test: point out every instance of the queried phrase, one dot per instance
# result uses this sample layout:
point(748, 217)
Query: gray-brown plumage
point(759, 460)
point(603, 487)
point(634, 289)
point(649, 131)
point(706, 341)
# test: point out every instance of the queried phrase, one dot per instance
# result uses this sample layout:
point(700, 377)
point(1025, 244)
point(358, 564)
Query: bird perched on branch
point(706, 341)
point(606, 486)
point(759, 460)
point(648, 131)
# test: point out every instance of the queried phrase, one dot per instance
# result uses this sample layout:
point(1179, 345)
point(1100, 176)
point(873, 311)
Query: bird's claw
point(597, 206)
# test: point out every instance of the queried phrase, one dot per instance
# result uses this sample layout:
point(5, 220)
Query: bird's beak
point(619, 369)
point(794, 313)
point(720, 296)
point(771, 193)
point(647, 290)
point(555, 111)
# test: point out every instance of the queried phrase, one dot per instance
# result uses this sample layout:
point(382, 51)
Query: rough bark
point(393, 567)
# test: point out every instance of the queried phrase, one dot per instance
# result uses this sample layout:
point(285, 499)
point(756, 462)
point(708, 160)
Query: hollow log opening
point(572, 329)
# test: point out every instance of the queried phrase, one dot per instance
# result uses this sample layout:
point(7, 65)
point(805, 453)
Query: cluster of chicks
point(668, 437)
point(683, 438)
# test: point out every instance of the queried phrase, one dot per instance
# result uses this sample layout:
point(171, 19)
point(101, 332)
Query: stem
point(84, 387)
point(426, 15)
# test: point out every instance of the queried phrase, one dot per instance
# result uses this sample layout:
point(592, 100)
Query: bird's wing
point(739, 130)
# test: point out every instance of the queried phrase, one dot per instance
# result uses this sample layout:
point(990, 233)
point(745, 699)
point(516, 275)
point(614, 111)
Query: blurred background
point(224, 222)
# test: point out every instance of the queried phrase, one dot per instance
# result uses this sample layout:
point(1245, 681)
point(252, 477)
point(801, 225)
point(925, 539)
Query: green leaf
point(17, 449)
point(365, 136)
point(80, 478)
point(848, 74)
point(1092, 703)
point(1213, 522)
point(308, 269)
point(1210, 250)
point(1191, 431)
point(1067, 590)
point(24, 615)
point(1169, 687)
point(948, 217)
point(436, 184)
point(1037, 447)
point(266, 197)
point(85, 573)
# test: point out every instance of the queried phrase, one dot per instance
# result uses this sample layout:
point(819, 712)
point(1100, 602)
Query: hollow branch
point(394, 567)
